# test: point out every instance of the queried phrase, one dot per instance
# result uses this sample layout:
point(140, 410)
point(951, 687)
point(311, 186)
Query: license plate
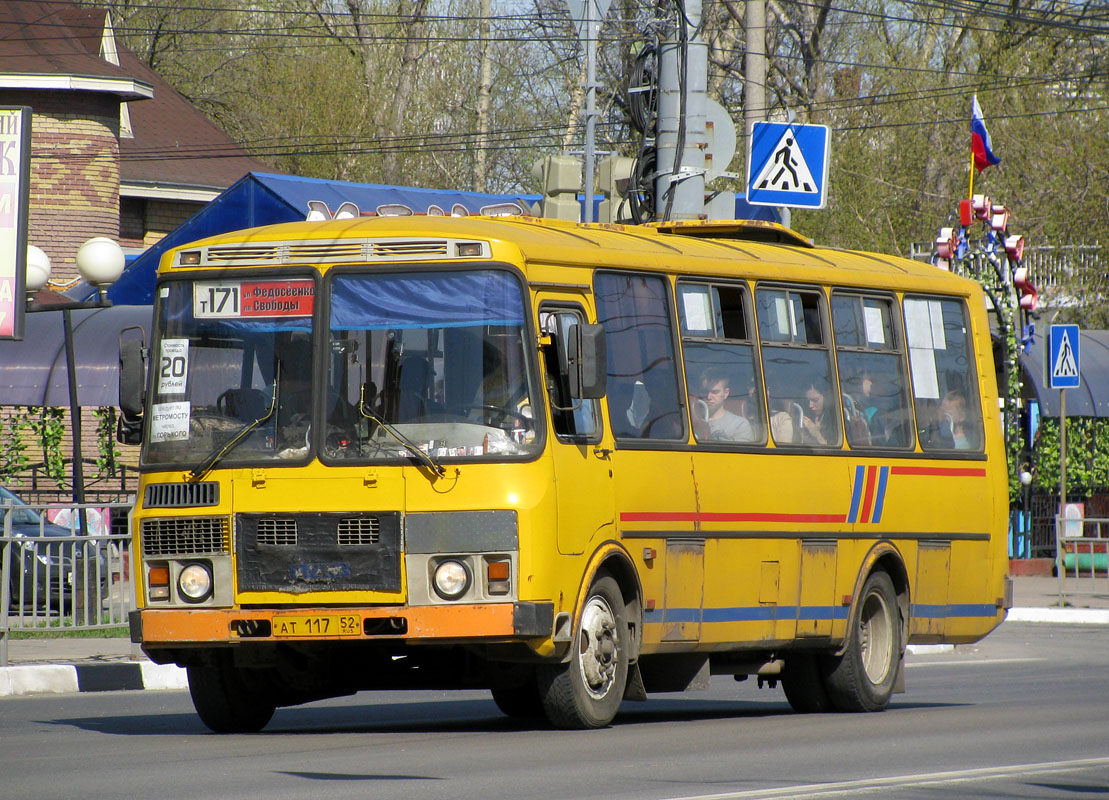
point(317, 625)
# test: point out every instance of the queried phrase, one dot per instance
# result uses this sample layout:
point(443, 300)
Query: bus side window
point(572, 418)
point(643, 396)
point(945, 384)
point(796, 361)
point(874, 388)
point(725, 393)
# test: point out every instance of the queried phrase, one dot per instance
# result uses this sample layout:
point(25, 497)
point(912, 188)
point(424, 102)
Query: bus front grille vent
point(277, 532)
point(184, 536)
point(356, 531)
point(180, 495)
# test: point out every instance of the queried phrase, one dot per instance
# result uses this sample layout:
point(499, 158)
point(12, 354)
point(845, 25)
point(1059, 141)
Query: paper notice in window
point(170, 421)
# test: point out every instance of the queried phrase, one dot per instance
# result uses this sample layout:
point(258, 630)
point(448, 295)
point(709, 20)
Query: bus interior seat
point(243, 404)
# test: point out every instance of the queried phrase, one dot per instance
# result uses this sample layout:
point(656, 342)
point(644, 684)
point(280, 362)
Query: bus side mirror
point(131, 382)
point(587, 361)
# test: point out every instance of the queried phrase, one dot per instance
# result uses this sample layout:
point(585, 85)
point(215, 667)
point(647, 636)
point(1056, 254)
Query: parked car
point(46, 559)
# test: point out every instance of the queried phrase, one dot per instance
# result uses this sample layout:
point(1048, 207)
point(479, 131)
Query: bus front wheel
point(225, 702)
point(862, 679)
point(586, 691)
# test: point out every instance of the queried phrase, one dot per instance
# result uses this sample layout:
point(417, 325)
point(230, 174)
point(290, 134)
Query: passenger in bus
point(818, 426)
point(932, 431)
point(785, 420)
point(954, 409)
point(722, 424)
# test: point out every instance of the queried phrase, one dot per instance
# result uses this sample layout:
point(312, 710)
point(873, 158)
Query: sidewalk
point(97, 665)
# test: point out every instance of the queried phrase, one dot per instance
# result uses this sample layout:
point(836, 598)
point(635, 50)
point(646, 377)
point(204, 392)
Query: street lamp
point(100, 261)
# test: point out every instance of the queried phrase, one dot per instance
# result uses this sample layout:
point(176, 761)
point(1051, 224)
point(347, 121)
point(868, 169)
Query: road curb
point(1075, 616)
point(68, 678)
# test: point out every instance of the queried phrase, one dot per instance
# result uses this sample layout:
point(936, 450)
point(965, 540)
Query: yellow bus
point(571, 464)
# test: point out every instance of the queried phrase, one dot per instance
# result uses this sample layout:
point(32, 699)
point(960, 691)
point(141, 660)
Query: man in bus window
point(723, 425)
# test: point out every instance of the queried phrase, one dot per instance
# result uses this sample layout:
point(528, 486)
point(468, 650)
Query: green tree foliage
point(391, 91)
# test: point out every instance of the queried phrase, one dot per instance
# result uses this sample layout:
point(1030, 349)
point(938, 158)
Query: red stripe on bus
point(868, 494)
point(948, 472)
point(666, 516)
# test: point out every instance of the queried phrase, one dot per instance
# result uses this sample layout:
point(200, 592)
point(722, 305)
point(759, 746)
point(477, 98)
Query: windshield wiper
point(415, 451)
point(205, 466)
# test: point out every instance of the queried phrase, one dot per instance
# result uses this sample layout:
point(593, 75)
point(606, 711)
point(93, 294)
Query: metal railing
point(56, 577)
point(1081, 556)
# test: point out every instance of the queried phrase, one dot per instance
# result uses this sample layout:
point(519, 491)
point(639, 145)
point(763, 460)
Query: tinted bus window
point(796, 362)
point(643, 400)
point(720, 364)
point(945, 390)
point(872, 378)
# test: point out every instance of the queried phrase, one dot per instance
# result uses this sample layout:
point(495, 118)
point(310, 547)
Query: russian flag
point(980, 138)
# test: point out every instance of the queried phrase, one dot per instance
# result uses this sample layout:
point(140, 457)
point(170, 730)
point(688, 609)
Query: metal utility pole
point(592, 25)
point(481, 168)
point(754, 87)
point(682, 139)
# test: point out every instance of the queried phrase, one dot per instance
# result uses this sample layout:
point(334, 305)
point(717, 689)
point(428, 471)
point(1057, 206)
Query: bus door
point(656, 502)
point(582, 467)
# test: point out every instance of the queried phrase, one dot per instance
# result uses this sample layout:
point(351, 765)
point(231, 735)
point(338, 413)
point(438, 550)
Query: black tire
point(862, 679)
point(803, 683)
point(586, 691)
point(225, 702)
point(519, 702)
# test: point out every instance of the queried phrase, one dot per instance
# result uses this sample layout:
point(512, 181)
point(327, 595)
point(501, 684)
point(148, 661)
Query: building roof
point(49, 46)
point(173, 152)
point(175, 146)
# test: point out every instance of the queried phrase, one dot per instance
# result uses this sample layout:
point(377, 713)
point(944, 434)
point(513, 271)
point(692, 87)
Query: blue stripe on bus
point(880, 495)
point(856, 494)
point(954, 610)
point(805, 613)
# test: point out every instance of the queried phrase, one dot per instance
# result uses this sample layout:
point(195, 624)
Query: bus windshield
point(437, 358)
point(428, 361)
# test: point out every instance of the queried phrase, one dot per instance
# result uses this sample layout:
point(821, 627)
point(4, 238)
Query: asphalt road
point(1023, 714)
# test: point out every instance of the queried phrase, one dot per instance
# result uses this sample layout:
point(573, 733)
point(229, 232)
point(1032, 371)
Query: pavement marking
point(974, 663)
point(900, 781)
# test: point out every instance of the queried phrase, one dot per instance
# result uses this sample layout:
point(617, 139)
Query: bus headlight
point(195, 583)
point(451, 579)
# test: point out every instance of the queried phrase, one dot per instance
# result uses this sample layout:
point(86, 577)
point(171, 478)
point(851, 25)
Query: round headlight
point(451, 580)
point(195, 582)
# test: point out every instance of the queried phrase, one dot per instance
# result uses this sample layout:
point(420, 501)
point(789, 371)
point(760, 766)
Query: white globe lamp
point(100, 261)
point(38, 268)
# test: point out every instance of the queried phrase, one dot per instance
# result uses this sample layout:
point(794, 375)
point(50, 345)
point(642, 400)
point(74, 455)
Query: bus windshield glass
point(434, 358)
point(229, 354)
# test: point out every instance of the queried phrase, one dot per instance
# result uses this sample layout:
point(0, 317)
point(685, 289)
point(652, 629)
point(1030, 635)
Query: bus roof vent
point(748, 230)
point(341, 251)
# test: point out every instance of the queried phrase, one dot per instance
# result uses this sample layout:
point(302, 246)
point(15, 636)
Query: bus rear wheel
point(227, 703)
point(862, 679)
point(586, 691)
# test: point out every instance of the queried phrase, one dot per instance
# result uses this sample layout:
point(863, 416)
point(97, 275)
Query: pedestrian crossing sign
point(787, 165)
point(1062, 364)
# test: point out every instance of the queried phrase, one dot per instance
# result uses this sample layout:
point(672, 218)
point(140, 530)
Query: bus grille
point(317, 552)
point(181, 495)
point(277, 532)
point(355, 531)
point(184, 536)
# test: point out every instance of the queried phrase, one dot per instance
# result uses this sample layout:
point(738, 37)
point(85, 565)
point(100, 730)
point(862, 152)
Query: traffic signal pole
point(682, 138)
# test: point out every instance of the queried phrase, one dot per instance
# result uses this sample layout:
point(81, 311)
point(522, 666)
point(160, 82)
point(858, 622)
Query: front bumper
point(485, 622)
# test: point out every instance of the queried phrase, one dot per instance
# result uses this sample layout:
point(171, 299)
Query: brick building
point(115, 151)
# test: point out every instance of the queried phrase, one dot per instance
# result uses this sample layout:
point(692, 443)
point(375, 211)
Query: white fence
point(57, 574)
point(1081, 556)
